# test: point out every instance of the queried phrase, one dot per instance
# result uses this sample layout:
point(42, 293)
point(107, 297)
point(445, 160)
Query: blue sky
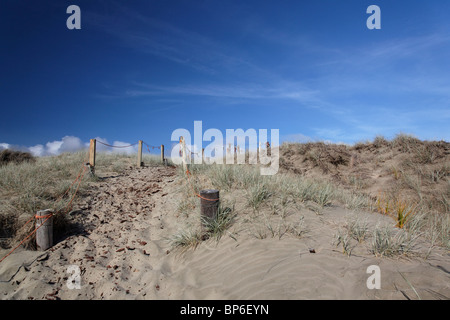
point(141, 69)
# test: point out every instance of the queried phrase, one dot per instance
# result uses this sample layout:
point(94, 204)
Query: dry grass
point(414, 173)
point(400, 210)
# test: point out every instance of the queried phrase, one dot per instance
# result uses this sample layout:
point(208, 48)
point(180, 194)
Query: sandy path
point(124, 254)
point(121, 245)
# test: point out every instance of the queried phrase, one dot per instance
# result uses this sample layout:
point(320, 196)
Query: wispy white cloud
point(406, 47)
point(401, 66)
point(250, 91)
point(166, 41)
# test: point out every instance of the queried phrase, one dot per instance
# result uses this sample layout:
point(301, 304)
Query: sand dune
point(123, 253)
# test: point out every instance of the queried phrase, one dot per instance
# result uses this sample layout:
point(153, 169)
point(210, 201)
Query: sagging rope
point(108, 145)
point(150, 146)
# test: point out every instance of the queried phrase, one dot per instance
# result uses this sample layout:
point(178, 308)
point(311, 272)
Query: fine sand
point(123, 252)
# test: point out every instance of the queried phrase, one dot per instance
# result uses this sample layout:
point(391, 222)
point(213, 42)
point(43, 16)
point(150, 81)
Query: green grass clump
point(357, 229)
point(258, 193)
point(323, 194)
point(388, 243)
point(214, 228)
point(191, 235)
point(343, 238)
point(223, 177)
point(186, 238)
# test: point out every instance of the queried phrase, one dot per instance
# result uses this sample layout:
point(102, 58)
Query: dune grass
point(268, 202)
point(265, 201)
point(43, 184)
point(388, 242)
point(195, 231)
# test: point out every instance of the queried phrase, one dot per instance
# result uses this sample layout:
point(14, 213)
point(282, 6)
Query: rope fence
point(140, 143)
point(88, 163)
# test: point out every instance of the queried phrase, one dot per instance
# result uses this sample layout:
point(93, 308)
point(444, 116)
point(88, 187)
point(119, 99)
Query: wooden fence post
point(139, 160)
point(44, 232)
point(162, 153)
point(92, 148)
point(209, 206)
point(184, 154)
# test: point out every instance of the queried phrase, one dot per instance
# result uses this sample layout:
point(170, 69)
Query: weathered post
point(92, 148)
point(162, 153)
point(139, 161)
point(209, 206)
point(44, 229)
point(183, 154)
